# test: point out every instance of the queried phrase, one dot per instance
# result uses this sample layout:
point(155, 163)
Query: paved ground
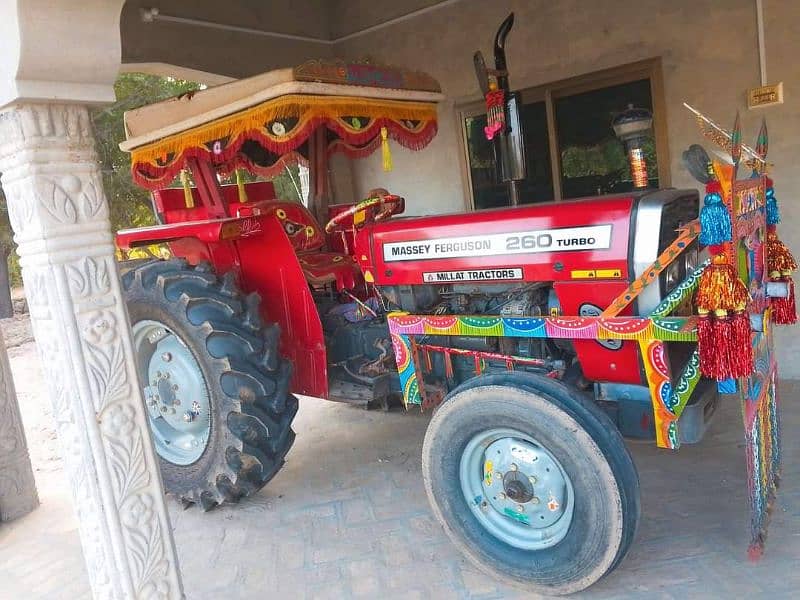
point(348, 518)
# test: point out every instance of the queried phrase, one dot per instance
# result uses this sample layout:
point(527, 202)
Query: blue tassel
point(715, 221)
point(773, 214)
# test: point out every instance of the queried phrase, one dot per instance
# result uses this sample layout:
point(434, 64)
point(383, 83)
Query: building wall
point(350, 16)
point(708, 50)
point(709, 55)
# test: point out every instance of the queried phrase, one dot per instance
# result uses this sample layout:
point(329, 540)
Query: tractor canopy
point(264, 122)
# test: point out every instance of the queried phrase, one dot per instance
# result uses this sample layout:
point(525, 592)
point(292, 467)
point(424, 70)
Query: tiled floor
point(347, 517)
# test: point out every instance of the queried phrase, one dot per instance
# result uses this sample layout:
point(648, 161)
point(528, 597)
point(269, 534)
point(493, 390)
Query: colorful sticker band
point(668, 329)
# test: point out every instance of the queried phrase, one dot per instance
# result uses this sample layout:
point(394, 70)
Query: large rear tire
point(531, 482)
point(215, 388)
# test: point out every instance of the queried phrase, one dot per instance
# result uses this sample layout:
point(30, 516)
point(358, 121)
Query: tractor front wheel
point(531, 482)
point(215, 389)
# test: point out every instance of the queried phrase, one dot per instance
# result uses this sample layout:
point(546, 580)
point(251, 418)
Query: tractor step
point(360, 394)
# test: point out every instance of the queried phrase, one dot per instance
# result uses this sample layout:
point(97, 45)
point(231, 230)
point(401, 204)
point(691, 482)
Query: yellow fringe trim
point(304, 107)
point(385, 151)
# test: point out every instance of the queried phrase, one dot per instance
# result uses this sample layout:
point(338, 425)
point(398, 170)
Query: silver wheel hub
point(175, 393)
point(516, 488)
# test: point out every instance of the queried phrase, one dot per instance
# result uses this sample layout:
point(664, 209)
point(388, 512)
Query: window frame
point(650, 69)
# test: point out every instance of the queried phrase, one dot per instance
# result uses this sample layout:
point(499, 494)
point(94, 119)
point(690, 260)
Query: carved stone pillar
point(60, 219)
point(17, 488)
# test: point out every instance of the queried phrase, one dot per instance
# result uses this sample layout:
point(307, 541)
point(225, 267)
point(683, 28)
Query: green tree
point(130, 204)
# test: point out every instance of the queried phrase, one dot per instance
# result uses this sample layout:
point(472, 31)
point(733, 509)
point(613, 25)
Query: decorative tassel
point(780, 265)
point(723, 329)
point(755, 551)
point(240, 186)
point(723, 346)
point(495, 111)
point(187, 189)
point(715, 221)
point(779, 258)
point(741, 357)
point(720, 288)
point(448, 366)
point(705, 343)
point(773, 214)
point(784, 310)
point(385, 152)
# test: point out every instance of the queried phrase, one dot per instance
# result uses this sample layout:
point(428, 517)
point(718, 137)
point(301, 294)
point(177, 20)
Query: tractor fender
point(208, 232)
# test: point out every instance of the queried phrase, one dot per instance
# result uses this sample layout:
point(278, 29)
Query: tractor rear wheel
point(531, 481)
point(215, 389)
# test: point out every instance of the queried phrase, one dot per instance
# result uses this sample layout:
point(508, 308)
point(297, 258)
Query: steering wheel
point(388, 205)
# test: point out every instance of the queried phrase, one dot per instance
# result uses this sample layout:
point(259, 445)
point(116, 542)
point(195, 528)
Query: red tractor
point(524, 461)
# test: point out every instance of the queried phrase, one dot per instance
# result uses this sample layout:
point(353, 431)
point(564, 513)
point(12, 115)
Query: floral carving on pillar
point(60, 221)
point(17, 488)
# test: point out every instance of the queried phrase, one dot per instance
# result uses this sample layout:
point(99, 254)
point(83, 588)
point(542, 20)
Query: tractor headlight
point(673, 275)
point(691, 260)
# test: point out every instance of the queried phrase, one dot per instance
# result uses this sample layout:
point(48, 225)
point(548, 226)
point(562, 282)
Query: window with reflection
point(593, 161)
point(589, 160)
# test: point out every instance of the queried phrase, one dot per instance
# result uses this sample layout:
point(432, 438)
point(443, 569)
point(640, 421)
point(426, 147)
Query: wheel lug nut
point(501, 496)
point(166, 357)
point(175, 388)
point(532, 479)
point(166, 375)
point(513, 467)
point(520, 508)
point(535, 500)
point(498, 475)
point(163, 409)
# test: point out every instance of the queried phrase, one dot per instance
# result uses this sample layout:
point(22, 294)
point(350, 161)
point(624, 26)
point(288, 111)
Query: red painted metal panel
point(208, 231)
point(205, 231)
point(598, 362)
point(270, 267)
point(550, 265)
point(171, 202)
point(261, 254)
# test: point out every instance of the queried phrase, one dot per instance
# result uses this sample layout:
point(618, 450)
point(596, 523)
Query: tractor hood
point(558, 241)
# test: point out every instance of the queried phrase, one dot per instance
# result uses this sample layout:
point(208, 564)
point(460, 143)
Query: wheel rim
point(516, 489)
point(175, 393)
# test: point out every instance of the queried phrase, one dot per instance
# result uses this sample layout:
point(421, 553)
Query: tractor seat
point(329, 267)
point(307, 238)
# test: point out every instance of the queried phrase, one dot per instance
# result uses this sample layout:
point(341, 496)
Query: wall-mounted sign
point(765, 95)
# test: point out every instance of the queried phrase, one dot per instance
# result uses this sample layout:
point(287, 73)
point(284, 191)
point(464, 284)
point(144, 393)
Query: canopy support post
point(208, 187)
point(318, 163)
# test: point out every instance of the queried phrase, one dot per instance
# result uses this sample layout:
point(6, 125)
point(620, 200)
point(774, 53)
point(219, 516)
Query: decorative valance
point(265, 137)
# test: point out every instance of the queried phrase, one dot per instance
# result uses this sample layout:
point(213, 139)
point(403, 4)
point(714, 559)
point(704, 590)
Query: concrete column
point(17, 488)
point(60, 220)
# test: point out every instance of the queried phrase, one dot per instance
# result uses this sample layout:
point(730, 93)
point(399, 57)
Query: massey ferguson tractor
point(538, 335)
